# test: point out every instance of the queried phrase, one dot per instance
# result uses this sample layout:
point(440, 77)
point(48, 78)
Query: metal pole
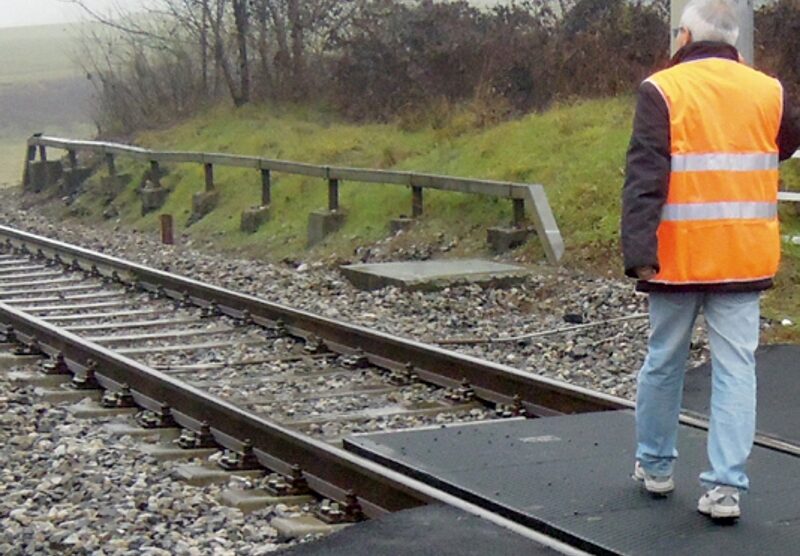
point(333, 194)
point(209, 177)
point(167, 234)
point(519, 213)
point(45, 166)
point(112, 167)
point(745, 13)
point(30, 156)
point(266, 183)
point(416, 201)
point(73, 159)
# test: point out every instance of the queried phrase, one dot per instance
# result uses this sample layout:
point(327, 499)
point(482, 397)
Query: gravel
point(604, 358)
point(68, 487)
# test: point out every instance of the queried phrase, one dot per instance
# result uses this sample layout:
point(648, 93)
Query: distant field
point(32, 54)
point(42, 88)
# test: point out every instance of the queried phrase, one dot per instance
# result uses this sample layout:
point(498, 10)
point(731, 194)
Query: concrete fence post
point(167, 230)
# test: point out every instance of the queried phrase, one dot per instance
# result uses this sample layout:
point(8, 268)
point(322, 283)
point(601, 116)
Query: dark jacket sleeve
point(646, 180)
point(789, 134)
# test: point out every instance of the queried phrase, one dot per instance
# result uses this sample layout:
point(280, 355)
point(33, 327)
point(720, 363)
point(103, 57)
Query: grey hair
point(711, 20)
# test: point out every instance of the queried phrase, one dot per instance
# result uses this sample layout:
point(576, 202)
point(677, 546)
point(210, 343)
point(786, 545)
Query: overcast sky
point(17, 13)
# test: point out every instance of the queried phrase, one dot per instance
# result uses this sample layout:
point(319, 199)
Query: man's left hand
point(645, 272)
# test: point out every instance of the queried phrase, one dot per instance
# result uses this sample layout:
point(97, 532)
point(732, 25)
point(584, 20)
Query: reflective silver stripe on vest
point(718, 211)
point(724, 162)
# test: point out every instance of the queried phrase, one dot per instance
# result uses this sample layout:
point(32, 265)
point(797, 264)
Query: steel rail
point(491, 381)
point(328, 470)
point(494, 382)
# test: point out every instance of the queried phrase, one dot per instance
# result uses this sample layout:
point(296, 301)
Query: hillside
point(577, 151)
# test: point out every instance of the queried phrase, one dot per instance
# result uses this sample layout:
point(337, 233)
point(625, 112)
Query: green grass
point(576, 151)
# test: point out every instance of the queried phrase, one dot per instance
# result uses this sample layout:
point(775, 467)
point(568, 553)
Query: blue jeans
point(732, 320)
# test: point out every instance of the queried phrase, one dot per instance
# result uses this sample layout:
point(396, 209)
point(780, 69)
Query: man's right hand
point(645, 272)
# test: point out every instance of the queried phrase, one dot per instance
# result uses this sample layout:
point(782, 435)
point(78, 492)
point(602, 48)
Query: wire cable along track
point(294, 383)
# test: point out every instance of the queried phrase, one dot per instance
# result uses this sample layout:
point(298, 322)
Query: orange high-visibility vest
point(720, 221)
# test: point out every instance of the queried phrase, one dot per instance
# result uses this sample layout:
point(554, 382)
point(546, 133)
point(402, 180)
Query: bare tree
point(241, 17)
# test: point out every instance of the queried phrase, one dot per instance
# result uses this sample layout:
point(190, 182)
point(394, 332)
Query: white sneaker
point(721, 502)
point(653, 484)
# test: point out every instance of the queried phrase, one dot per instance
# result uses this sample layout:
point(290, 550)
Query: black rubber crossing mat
point(427, 531)
point(778, 377)
point(570, 477)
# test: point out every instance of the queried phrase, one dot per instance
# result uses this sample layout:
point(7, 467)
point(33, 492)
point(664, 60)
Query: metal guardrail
point(529, 200)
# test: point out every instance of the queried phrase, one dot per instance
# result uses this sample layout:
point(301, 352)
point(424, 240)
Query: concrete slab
point(153, 198)
point(778, 370)
point(254, 499)
point(43, 175)
point(170, 452)
point(432, 275)
point(67, 394)
point(38, 378)
point(199, 475)
point(501, 240)
point(400, 224)
point(321, 224)
point(253, 218)
point(202, 204)
point(89, 409)
point(74, 179)
point(9, 361)
point(433, 530)
point(127, 429)
point(570, 478)
point(300, 526)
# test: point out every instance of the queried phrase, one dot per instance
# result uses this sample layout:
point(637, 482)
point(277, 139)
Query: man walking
point(700, 232)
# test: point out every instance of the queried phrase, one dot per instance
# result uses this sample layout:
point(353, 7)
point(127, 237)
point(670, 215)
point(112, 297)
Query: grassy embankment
point(577, 151)
point(42, 88)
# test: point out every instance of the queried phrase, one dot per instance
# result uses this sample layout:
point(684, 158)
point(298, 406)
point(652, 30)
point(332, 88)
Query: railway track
point(276, 387)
